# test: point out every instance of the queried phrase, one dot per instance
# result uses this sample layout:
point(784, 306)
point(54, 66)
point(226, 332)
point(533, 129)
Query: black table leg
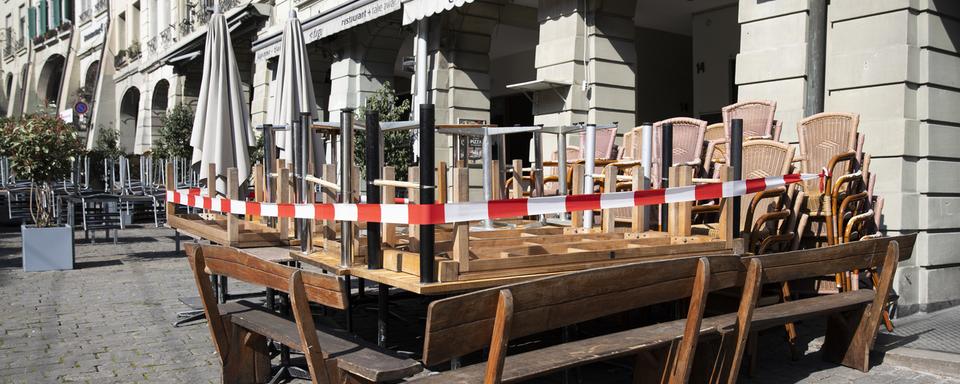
point(383, 311)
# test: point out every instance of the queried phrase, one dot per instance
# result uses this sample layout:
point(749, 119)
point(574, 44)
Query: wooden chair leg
point(886, 305)
point(791, 328)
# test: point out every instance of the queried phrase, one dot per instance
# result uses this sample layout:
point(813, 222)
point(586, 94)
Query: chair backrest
point(857, 255)
point(825, 135)
point(239, 265)
point(764, 158)
point(463, 324)
point(688, 134)
point(605, 139)
point(757, 117)
point(714, 131)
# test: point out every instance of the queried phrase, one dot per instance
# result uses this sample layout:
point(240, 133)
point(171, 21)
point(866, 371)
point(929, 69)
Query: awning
point(328, 23)
point(414, 10)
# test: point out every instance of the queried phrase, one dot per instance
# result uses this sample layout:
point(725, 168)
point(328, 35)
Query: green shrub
point(42, 148)
point(397, 145)
point(175, 134)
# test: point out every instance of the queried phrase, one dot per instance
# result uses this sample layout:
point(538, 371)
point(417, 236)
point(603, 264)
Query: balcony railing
point(198, 15)
point(8, 50)
point(86, 15)
point(18, 43)
point(152, 45)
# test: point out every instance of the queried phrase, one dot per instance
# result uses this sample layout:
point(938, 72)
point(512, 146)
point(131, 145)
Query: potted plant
point(42, 148)
point(134, 50)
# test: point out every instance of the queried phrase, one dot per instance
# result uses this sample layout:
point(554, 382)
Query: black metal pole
point(666, 157)
point(383, 297)
point(426, 191)
point(374, 256)
point(736, 167)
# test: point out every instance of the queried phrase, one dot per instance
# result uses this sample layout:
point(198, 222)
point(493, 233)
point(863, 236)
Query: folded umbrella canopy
point(221, 127)
point(294, 86)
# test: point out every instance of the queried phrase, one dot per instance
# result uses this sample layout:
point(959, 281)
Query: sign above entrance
point(414, 10)
point(329, 23)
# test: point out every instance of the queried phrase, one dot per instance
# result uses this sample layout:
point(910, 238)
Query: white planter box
point(47, 249)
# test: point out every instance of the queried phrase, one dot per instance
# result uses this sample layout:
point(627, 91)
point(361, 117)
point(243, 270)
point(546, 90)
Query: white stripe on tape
point(453, 213)
point(394, 213)
point(680, 194)
point(268, 209)
point(238, 206)
point(734, 188)
point(346, 212)
point(616, 200)
point(544, 205)
point(774, 181)
point(304, 211)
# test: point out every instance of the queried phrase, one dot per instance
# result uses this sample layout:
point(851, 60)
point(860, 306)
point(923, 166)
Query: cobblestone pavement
point(109, 321)
point(937, 331)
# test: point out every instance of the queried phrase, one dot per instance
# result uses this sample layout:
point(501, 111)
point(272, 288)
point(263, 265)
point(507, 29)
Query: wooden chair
point(854, 316)
point(827, 141)
point(491, 318)
point(240, 329)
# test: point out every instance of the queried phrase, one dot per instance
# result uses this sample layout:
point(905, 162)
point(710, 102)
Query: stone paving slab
point(109, 321)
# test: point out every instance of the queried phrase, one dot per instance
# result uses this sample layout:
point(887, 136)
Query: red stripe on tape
point(368, 212)
point(253, 208)
point(507, 208)
point(323, 211)
point(425, 214)
point(708, 191)
point(649, 197)
point(756, 185)
point(286, 210)
point(584, 202)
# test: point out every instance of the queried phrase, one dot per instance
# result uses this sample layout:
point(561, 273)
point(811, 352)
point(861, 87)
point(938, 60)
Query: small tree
point(43, 147)
point(6, 135)
point(175, 133)
point(397, 145)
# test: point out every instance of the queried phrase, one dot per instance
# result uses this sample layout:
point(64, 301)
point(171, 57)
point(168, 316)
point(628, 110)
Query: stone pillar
point(896, 64)
point(594, 50)
point(772, 64)
point(459, 82)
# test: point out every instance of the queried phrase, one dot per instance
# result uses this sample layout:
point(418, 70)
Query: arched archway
point(159, 101)
point(49, 82)
point(127, 122)
point(90, 81)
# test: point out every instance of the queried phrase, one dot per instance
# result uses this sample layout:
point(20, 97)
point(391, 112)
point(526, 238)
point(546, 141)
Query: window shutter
point(32, 22)
point(56, 13)
point(43, 18)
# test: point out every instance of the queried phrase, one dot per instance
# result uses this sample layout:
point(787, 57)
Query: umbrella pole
point(306, 238)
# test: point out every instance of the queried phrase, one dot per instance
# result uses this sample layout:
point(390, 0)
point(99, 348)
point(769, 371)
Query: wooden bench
point(240, 329)
point(854, 316)
point(464, 324)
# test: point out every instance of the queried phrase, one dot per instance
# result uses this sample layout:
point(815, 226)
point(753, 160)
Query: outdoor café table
point(487, 133)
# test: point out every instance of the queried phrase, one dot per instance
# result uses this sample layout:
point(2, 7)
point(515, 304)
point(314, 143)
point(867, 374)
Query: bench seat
point(353, 355)
point(791, 311)
point(547, 360)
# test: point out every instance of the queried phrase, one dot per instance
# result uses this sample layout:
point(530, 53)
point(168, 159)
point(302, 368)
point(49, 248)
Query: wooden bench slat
point(355, 356)
point(543, 361)
point(791, 311)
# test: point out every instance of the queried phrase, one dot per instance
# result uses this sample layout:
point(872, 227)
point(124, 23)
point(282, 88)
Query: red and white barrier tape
point(470, 211)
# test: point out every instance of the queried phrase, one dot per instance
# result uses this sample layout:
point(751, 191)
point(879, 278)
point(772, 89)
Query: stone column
point(459, 83)
point(896, 64)
point(594, 50)
point(772, 64)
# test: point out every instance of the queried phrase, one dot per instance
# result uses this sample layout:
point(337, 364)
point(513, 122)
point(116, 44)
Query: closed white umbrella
point(221, 127)
point(294, 86)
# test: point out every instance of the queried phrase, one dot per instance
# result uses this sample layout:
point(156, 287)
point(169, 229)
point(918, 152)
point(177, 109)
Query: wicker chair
point(757, 118)
point(688, 136)
point(827, 140)
point(714, 139)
